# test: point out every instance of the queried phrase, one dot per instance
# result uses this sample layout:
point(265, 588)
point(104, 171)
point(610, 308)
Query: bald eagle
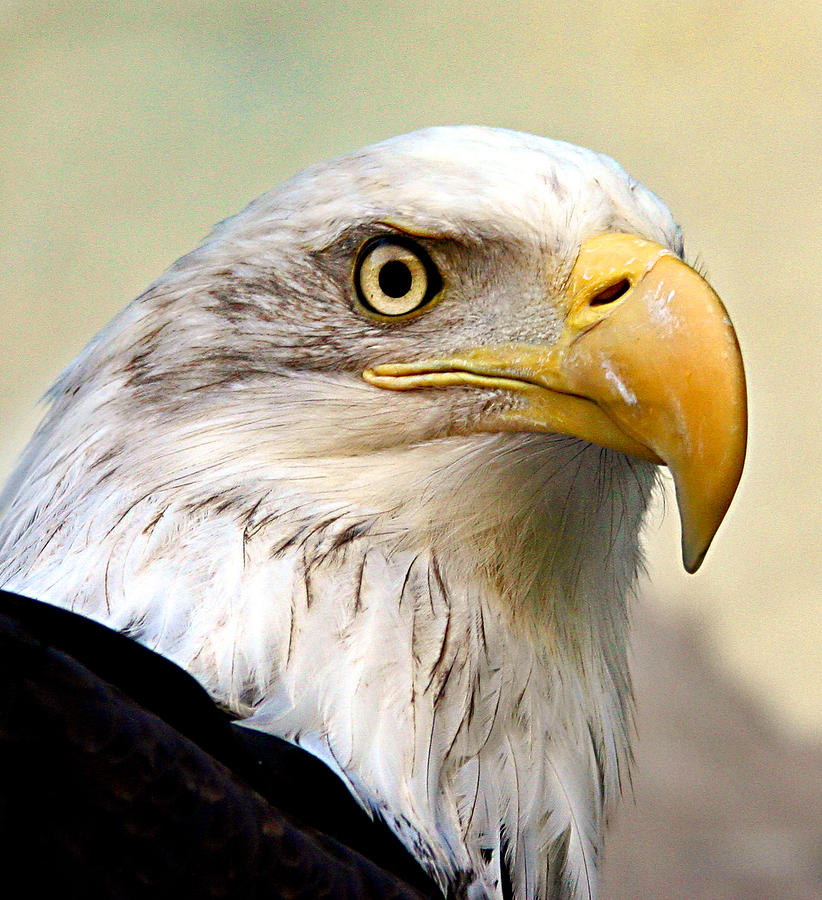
point(371, 464)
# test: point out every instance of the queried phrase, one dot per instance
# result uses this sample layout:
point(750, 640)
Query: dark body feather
point(122, 779)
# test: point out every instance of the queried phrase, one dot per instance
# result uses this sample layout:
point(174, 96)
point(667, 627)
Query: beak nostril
point(610, 293)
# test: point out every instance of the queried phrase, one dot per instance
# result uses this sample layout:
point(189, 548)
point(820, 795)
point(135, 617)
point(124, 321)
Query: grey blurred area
point(725, 805)
point(128, 129)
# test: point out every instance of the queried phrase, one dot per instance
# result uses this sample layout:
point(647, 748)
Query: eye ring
point(394, 276)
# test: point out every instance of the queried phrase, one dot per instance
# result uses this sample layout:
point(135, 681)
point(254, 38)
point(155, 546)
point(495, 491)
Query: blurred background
point(129, 128)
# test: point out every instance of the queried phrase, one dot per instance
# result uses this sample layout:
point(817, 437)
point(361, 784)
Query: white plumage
point(437, 612)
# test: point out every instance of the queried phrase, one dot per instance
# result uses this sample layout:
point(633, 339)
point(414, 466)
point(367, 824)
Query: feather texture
point(439, 615)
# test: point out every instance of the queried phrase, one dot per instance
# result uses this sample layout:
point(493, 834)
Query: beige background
point(127, 129)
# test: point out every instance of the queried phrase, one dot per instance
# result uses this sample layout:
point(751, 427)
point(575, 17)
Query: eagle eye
point(394, 276)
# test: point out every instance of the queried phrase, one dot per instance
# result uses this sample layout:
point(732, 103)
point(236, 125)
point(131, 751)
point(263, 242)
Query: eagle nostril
point(610, 293)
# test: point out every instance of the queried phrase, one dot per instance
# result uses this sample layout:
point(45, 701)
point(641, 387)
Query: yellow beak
point(647, 364)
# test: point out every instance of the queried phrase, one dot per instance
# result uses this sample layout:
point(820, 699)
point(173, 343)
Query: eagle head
point(372, 463)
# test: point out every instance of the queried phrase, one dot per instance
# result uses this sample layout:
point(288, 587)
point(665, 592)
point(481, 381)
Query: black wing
point(121, 779)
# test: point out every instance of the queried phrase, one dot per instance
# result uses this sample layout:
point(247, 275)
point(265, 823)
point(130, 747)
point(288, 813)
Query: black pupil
point(395, 279)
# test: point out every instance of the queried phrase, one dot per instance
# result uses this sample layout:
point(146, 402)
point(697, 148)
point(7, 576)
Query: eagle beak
point(647, 363)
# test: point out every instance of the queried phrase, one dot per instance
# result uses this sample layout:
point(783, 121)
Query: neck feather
point(443, 623)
